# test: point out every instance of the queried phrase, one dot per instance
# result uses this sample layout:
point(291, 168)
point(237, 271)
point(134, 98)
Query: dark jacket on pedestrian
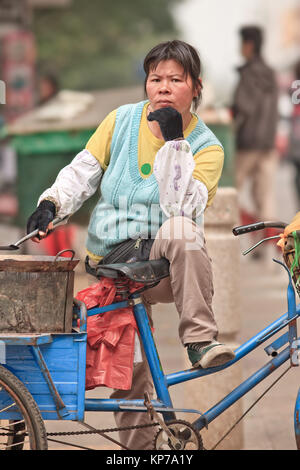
point(255, 106)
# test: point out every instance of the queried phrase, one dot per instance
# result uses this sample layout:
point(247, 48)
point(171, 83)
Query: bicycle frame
point(162, 381)
point(285, 347)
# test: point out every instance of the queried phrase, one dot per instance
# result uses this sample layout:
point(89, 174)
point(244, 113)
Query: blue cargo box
point(64, 355)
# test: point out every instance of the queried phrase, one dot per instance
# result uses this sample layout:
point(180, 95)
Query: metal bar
point(259, 243)
point(59, 404)
point(159, 379)
point(18, 339)
point(81, 374)
point(107, 308)
point(292, 313)
point(292, 332)
point(109, 404)
point(182, 376)
point(277, 344)
point(69, 444)
point(242, 389)
point(280, 327)
point(291, 300)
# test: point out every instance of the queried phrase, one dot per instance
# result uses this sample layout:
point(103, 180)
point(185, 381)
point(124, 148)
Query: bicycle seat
point(140, 271)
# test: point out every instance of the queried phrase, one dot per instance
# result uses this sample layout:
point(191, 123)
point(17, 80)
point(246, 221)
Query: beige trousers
point(190, 286)
point(260, 166)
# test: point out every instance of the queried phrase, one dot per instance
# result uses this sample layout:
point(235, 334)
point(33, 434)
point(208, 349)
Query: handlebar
point(256, 226)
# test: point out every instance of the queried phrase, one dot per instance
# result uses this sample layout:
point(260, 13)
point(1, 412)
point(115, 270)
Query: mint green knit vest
point(129, 204)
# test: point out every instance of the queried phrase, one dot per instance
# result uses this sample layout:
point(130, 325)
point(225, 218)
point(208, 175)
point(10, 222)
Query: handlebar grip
point(248, 228)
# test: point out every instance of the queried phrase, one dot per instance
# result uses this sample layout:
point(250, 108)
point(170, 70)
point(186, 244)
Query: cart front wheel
point(21, 424)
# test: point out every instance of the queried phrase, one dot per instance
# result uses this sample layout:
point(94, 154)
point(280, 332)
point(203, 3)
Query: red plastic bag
point(110, 338)
point(110, 349)
point(99, 294)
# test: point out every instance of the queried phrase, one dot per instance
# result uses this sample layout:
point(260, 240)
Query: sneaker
point(211, 355)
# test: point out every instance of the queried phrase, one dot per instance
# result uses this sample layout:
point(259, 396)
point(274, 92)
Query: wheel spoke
point(7, 407)
point(8, 446)
point(11, 424)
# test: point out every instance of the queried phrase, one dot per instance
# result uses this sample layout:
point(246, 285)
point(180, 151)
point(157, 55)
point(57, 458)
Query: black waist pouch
point(128, 251)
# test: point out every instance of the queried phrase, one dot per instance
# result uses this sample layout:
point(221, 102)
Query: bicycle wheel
point(26, 431)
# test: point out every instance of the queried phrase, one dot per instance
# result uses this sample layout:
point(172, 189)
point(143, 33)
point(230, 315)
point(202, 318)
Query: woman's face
point(167, 85)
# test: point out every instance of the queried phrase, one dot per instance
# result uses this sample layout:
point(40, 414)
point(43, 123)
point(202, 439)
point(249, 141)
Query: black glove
point(170, 122)
point(42, 217)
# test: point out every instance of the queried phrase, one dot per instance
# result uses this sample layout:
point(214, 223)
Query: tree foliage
point(97, 44)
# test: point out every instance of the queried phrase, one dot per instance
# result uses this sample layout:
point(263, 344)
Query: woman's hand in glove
point(40, 219)
point(170, 122)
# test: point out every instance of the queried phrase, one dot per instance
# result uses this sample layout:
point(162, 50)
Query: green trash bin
point(40, 157)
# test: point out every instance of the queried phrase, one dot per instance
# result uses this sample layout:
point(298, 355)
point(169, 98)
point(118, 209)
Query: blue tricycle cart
point(42, 374)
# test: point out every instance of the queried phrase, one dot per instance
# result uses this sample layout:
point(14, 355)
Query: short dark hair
point(183, 53)
point(253, 34)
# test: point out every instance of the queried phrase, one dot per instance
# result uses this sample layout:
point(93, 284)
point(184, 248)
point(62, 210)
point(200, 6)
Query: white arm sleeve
point(74, 184)
point(179, 192)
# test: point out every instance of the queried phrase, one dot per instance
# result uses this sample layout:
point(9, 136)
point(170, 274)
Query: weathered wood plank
point(32, 263)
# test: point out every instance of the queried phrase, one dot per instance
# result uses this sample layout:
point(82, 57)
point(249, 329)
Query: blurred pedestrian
point(256, 116)
point(293, 152)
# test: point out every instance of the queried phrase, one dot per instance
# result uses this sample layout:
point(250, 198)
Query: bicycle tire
point(17, 396)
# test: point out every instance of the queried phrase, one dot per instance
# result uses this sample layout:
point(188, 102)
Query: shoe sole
point(216, 356)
